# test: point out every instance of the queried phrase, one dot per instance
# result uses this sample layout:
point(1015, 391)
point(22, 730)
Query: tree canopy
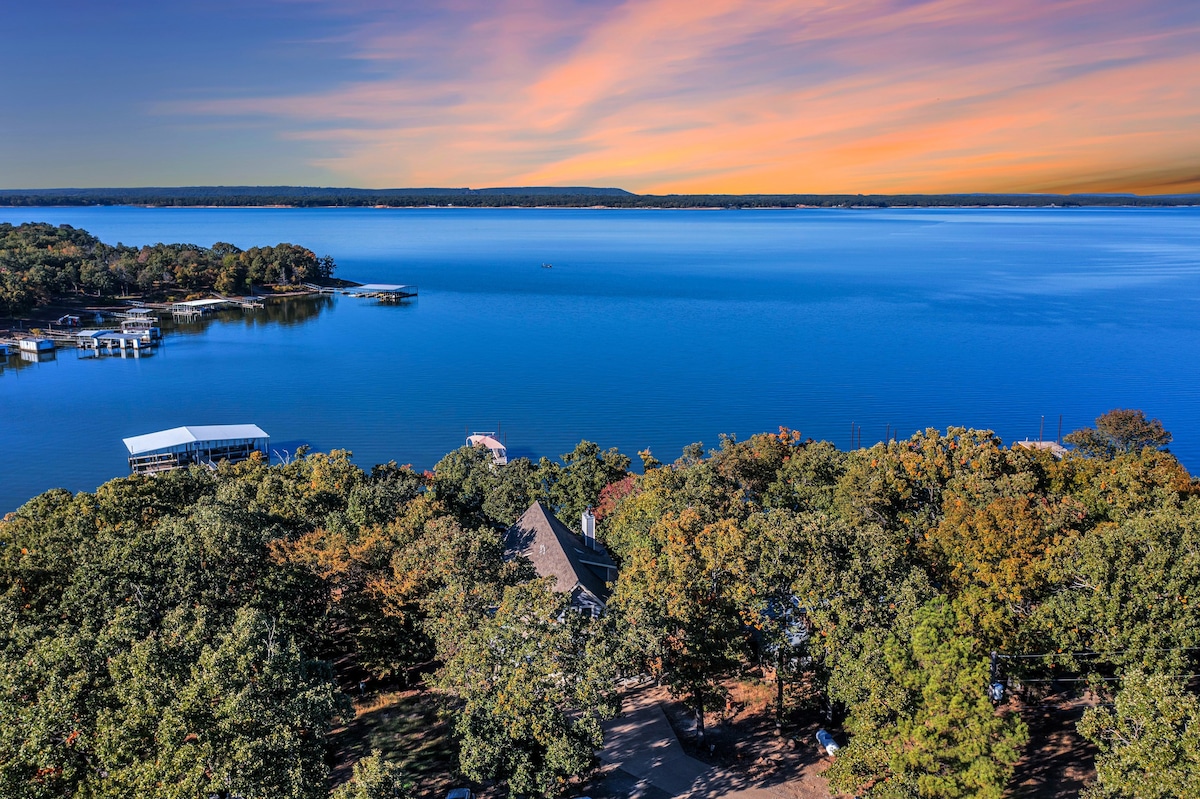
point(177, 635)
point(1121, 430)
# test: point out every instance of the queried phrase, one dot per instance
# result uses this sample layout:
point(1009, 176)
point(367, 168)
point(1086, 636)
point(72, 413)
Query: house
point(580, 566)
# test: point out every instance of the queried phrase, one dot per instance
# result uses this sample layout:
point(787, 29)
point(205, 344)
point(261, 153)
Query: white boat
point(489, 440)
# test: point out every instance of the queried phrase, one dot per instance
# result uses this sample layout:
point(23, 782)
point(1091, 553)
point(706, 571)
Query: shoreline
point(79, 306)
point(594, 207)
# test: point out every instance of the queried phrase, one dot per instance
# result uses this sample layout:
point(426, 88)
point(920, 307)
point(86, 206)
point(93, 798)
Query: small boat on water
point(493, 445)
point(547, 266)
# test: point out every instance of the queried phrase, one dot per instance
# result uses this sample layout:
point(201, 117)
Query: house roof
point(1056, 449)
point(556, 551)
point(178, 436)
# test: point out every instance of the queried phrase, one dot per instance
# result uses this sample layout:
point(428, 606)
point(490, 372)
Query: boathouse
point(579, 565)
point(35, 345)
point(112, 339)
point(203, 445)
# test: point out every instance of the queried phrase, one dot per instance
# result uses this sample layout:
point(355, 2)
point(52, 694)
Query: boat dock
point(195, 309)
point(204, 445)
point(33, 349)
point(134, 340)
point(386, 292)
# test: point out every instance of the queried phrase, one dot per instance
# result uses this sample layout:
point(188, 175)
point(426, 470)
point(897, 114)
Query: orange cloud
point(771, 96)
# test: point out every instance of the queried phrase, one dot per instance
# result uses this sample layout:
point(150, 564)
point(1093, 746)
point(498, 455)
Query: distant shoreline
point(277, 197)
point(452, 207)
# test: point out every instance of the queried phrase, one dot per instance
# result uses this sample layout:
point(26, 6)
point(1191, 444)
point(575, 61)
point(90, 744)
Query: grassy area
point(405, 727)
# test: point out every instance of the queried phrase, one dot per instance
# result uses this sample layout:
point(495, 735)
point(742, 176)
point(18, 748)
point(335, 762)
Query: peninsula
point(47, 270)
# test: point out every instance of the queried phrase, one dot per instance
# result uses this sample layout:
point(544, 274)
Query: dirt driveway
point(642, 744)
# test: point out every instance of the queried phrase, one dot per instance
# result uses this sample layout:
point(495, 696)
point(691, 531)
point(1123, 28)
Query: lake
point(653, 329)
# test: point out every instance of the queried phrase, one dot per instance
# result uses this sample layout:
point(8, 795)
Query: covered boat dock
point(203, 445)
point(388, 292)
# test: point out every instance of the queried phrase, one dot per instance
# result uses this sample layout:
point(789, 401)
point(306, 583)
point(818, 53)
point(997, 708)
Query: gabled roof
point(177, 436)
point(556, 551)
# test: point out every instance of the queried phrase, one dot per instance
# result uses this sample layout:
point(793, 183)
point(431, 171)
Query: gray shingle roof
point(556, 551)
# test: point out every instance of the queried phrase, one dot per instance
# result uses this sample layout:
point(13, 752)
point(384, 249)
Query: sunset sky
point(655, 96)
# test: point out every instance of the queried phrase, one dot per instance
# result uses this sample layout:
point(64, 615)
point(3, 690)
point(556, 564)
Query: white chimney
point(588, 522)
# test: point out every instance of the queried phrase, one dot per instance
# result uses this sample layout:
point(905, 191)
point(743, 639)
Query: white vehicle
point(826, 742)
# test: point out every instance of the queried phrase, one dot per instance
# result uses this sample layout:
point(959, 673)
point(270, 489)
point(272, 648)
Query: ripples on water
point(653, 329)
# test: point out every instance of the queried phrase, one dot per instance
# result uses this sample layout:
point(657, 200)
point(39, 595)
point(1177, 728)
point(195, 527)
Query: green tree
point(532, 684)
point(1148, 741)
point(1128, 594)
point(778, 549)
point(576, 483)
point(944, 739)
point(678, 604)
point(375, 778)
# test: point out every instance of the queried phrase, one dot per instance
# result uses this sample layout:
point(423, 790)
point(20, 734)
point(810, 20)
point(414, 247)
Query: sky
point(654, 96)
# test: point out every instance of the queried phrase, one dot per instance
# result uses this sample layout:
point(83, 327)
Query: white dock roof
point(371, 288)
point(178, 436)
point(200, 303)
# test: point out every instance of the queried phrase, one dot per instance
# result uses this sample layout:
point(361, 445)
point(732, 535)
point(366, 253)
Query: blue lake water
point(653, 329)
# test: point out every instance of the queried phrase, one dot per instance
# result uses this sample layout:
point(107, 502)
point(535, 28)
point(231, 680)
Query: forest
point(200, 633)
point(41, 264)
point(553, 196)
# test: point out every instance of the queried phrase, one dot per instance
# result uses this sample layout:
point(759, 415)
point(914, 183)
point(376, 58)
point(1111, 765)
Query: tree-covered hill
point(552, 196)
point(176, 635)
point(41, 263)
